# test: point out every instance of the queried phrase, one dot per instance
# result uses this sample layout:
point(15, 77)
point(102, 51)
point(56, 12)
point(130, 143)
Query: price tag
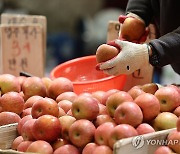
point(139, 77)
point(27, 19)
point(22, 49)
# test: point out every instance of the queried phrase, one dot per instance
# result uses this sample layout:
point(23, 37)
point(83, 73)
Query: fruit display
point(60, 121)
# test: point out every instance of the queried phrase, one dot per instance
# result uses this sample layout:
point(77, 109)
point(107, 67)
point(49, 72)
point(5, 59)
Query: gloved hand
point(143, 38)
point(131, 57)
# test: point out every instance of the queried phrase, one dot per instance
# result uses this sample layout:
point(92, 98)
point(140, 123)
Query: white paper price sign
point(27, 19)
point(22, 48)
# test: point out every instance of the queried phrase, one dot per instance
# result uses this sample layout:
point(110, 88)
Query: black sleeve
point(142, 8)
point(167, 47)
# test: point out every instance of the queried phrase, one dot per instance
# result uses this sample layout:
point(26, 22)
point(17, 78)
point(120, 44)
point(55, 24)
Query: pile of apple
point(53, 119)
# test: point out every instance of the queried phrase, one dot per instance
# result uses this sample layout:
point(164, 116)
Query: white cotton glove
point(132, 57)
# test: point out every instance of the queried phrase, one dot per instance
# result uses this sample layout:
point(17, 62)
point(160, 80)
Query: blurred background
point(75, 28)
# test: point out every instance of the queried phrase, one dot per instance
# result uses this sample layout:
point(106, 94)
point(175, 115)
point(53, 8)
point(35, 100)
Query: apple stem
point(163, 101)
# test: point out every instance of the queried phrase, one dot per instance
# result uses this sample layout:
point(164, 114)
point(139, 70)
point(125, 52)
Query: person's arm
point(132, 56)
point(142, 8)
point(167, 48)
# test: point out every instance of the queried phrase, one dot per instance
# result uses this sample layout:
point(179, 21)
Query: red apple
point(100, 119)
point(144, 128)
point(102, 149)
point(102, 133)
point(67, 149)
point(115, 100)
point(128, 113)
point(47, 81)
point(65, 105)
point(33, 86)
point(107, 94)
point(47, 128)
point(85, 108)
point(16, 142)
point(12, 102)
point(59, 86)
point(132, 29)
point(27, 130)
point(69, 95)
point(26, 112)
point(121, 131)
point(135, 91)
point(89, 148)
point(149, 104)
point(174, 138)
point(9, 82)
point(99, 95)
point(22, 94)
point(21, 123)
point(105, 52)
point(163, 150)
point(165, 120)
point(21, 79)
point(45, 106)
point(40, 146)
point(85, 94)
point(22, 147)
point(177, 111)
point(81, 132)
point(175, 86)
point(9, 118)
point(31, 100)
point(61, 112)
point(169, 98)
point(58, 143)
point(102, 109)
point(66, 121)
point(70, 113)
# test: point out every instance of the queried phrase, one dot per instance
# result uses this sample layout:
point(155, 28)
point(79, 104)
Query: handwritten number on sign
point(16, 48)
point(27, 47)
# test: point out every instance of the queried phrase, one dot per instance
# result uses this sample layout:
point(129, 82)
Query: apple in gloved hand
point(106, 52)
point(132, 29)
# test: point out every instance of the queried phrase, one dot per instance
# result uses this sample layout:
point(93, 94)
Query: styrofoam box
point(143, 144)
point(133, 145)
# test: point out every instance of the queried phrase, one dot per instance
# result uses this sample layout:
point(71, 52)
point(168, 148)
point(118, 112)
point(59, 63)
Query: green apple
point(9, 83)
point(165, 120)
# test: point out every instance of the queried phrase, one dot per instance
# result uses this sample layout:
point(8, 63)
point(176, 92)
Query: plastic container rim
point(82, 82)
